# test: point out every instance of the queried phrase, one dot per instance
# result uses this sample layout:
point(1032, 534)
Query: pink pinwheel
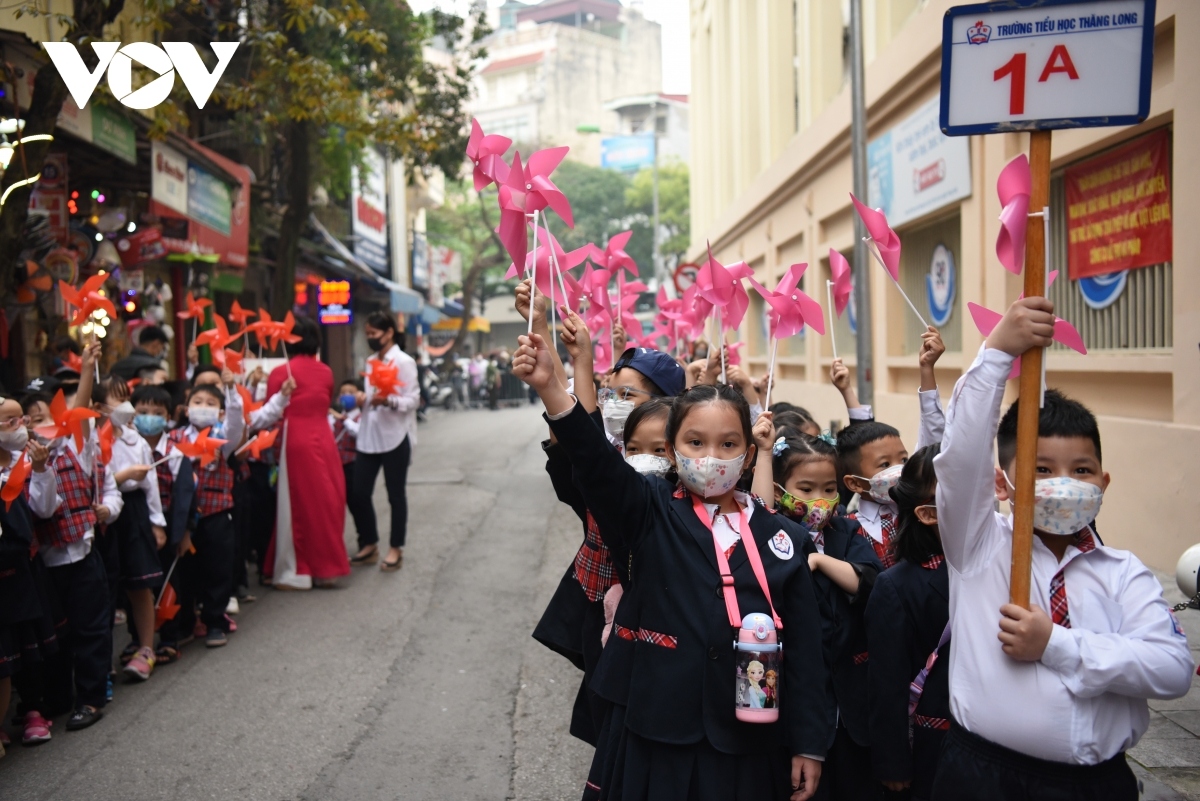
point(692, 311)
point(613, 257)
point(1014, 187)
point(546, 275)
point(602, 360)
point(595, 289)
point(722, 287)
point(791, 308)
point(733, 351)
point(631, 324)
point(986, 321)
point(839, 269)
point(486, 153)
point(884, 237)
point(528, 189)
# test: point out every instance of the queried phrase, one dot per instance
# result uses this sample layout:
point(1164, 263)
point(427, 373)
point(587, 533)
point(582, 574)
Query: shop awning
point(474, 325)
point(353, 267)
point(452, 308)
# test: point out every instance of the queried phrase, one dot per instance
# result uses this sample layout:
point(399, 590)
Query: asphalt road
point(423, 684)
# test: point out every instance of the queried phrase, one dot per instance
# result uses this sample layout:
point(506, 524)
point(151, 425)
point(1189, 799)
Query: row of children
point(141, 524)
point(762, 611)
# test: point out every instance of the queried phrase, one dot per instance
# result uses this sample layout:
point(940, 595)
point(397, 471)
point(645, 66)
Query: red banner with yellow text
point(1119, 208)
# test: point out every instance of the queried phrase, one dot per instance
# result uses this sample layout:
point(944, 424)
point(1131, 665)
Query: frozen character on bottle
point(755, 695)
point(772, 697)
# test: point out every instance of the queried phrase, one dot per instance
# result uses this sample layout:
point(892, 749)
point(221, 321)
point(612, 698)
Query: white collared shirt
point(870, 516)
point(727, 532)
point(1085, 700)
point(129, 449)
point(382, 428)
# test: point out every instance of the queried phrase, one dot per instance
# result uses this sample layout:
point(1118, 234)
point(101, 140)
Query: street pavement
point(423, 684)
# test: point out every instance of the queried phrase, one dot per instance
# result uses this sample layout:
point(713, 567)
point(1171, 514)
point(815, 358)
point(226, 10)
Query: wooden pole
point(1030, 381)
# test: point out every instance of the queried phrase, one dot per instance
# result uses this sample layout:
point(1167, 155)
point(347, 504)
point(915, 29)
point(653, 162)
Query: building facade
point(771, 176)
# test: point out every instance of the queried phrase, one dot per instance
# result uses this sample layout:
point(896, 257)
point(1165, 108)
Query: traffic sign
point(685, 276)
point(1022, 66)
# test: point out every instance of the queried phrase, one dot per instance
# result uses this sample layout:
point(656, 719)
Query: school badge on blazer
point(781, 545)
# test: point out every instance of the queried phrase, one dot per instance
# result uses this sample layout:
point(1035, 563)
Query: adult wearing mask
point(386, 433)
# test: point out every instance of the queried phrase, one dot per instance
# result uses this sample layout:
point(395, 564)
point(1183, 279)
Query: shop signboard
point(333, 303)
point(368, 212)
point(208, 199)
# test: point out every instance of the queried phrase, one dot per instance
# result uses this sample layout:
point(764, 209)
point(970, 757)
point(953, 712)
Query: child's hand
point(712, 371)
point(1028, 323)
point(102, 513)
point(806, 773)
point(288, 387)
point(814, 562)
point(193, 354)
point(737, 377)
point(764, 432)
point(839, 375)
point(695, 372)
point(620, 340)
point(91, 354)
point(160, 536)
point(522, 303)
point(575, 335)
point(184, 546)
point(257, 376)
point(932, 347)
point(1024, 633)
point(532, 362)
point(39, 455)
point(132, 473)
point(360, 399)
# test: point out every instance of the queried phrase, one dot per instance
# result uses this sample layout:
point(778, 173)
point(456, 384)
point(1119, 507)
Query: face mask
point(203, 416)
point(149, 425)
point(708, 476)
point(375, 343)
point(615, 413)
point(649, 464)
point(1064, 506)
point(16, 439)
point(814, 514)
point(47, 442)
point(883, 481)
point(122, 414)
point(349, 403)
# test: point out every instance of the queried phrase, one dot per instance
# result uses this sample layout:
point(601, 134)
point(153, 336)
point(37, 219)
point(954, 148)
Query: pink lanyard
point(731, 604)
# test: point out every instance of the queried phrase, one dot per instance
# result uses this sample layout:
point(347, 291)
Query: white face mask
point(708, 476)
point(14, 440)
point(614, 413)
point(883, 481)
point(649, 464)
point(1063, 506)
point(203, 416)
point(122, 414)
point(49, 443)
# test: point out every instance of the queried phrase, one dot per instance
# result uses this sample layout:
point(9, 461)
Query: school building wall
point(783, 198)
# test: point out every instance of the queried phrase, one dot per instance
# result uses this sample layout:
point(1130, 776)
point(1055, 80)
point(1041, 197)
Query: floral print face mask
point(883, 481)
point(815, 514)
point(1064, 506)
point(708, 476)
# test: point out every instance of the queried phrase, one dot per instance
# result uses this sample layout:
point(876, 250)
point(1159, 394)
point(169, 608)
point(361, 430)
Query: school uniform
point(177, 495)
point(141, 509)
point(1058, 727)
point(683, 739)
point(254, 493)
point(345, 435)
point(847, 773)
point(906, 620)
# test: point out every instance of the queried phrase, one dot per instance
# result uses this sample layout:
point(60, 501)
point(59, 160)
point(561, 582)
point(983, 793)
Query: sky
point(672, 15)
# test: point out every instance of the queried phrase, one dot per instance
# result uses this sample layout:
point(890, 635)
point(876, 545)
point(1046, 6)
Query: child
point(78, 676)
point(681, 728)
point(210, 570)
point(844, 569)
point(908, 639)
point(176, 490)
point(870, 457)
point(344, 420)
point(1051, 713)
point(140, 531)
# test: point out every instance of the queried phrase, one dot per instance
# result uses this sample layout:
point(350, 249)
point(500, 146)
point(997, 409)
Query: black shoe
point(83, 717)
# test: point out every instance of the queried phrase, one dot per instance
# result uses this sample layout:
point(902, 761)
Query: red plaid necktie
point(1059, 611)
point(886, 550)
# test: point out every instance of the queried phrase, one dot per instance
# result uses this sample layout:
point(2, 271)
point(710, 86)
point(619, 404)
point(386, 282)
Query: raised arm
point(839, 376)
point(764, 478)
point(933, 419)
point(540, 326)
point(235, 419)
point(578, 342)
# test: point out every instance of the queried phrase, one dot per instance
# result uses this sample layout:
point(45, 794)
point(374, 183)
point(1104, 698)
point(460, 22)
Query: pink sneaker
point(37, 729)
point(142, 664)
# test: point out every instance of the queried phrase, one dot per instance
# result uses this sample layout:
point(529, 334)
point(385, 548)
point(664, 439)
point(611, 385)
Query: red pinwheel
point(105, 437)
point(526, 190)
point(193, 309)
point(545, 272)
point(233, 360)
point(722, 287)
point(67, 422)
point(239, 315)
point(77, 297)
point(384, 376)
point(791, 308)
point(262, 441)
point(262, 328)
point(1014, 186)
point(839, 268)
point(203, 448)
point(486, 152)
point(613, 257)
point(282, 332)
point(216, 337)
point(17, 476)
point(1064, 333)
point(882, 235)
point(73, 362)
point(248, 403)
point(167, 607)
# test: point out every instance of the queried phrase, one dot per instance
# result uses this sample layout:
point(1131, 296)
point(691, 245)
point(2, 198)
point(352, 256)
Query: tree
point(674, 209)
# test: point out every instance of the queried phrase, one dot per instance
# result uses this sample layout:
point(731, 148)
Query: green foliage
point(674, 208)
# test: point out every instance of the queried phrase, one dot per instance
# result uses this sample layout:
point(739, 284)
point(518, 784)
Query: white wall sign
point(368, 212)
point(940, 286)
point(169, 177)
point(1052, 64)
point(914, 169)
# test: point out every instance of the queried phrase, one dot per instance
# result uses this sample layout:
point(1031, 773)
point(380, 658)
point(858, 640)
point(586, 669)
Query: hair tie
point(827, 436)
point(780, 446)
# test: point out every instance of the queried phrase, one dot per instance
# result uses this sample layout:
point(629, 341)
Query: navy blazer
point(683, 693)
point(905, 618)
point(843, 628)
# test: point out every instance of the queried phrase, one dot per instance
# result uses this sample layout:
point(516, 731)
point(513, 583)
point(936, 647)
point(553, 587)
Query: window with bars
point(1140, 317)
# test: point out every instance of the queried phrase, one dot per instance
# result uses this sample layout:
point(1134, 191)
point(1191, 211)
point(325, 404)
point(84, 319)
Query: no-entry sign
point(1023, 66)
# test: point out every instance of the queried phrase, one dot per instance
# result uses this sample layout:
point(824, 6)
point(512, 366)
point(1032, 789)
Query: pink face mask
point(708, 476)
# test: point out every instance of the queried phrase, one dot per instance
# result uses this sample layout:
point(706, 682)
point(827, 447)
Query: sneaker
point(83, 717)
point(232, 625)
point(108, 690)
point(37, 729)
point(142, 665)
point(215, 638)
point(232, 607)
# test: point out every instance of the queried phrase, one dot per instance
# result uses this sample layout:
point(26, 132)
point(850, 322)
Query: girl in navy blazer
point(907, 633)
point(683, 739)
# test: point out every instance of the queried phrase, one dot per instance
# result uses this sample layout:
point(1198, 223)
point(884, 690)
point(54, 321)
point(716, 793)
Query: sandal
point(361, 558)
point(391, 567)
point(128, 653)
point(166, 654)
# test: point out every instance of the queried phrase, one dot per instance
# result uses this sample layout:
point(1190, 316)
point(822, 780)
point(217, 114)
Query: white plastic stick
point(771, 373)
point(1045, 293)
point(286, 359)
point(832, 335)
point(721, 345)
point(557, 270)
point(879, 258)
point(533, 274)
point(166, 581)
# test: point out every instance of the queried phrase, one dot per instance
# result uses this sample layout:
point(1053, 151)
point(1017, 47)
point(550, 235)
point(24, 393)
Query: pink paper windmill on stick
point(837, 291)
point(887, 247)
point(525, 191)
point(722, 287)
point(986, 321)
point(791, 310)
point(551, 270)
point(1014, 187)
point(486, 152)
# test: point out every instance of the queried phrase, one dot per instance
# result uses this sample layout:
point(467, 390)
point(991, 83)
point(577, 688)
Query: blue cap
point(657, 366)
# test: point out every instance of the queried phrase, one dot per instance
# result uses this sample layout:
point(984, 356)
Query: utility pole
point(657, 257)
point(858, 157)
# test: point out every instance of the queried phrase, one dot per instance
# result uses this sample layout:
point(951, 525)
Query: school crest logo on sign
point(781, 545)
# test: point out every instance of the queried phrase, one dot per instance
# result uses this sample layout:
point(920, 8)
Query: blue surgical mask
point(150, 425)
point(349, 402)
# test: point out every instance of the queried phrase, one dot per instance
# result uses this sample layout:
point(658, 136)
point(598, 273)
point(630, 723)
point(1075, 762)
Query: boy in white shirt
point(1050, 712)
